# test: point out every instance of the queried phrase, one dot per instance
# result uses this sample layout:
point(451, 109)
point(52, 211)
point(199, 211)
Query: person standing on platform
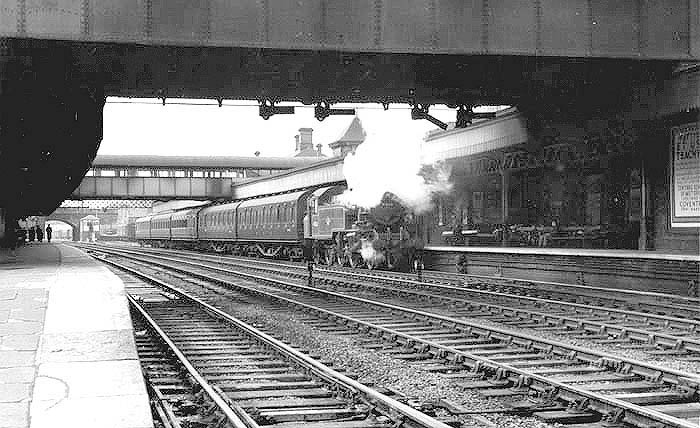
point(31, 234)
point(49, 231)
point(39, 233)
point(309, 257)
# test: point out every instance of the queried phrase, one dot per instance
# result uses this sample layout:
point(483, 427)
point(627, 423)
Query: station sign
point(685, 176)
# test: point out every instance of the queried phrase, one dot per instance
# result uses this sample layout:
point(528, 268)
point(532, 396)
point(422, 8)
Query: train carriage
point(217, 227)
point(273, 226)
point(160, 229)
point(183, 227)
point(143, 229)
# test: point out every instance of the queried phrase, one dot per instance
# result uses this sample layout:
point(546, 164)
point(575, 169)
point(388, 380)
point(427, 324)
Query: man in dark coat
point(309, 257)
point(49, 231)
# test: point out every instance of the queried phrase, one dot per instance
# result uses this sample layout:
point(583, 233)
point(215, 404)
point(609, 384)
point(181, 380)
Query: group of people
point(37, 233)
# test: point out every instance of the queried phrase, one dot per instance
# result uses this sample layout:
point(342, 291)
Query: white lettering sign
point(685, 176)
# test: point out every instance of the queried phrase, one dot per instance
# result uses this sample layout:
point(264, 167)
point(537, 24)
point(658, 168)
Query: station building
point(626, 180)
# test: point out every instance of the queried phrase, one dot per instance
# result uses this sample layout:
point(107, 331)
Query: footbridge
point(175, 177)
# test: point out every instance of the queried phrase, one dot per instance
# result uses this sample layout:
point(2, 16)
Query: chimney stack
point(305, 145)
point(305, 139)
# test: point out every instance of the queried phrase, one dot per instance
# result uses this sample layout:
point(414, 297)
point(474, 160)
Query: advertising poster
point(685, 176)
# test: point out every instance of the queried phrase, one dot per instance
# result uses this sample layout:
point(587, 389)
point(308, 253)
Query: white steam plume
point(369, 254)
point(379, 166)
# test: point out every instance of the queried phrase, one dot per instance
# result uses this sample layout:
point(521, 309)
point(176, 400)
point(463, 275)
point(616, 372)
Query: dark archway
point(75, 227)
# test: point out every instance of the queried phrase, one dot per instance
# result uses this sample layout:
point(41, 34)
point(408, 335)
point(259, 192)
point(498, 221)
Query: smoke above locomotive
point(379, 166)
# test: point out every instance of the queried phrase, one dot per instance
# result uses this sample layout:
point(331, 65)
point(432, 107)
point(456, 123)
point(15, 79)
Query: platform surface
point(575, 252)
point(67, 352)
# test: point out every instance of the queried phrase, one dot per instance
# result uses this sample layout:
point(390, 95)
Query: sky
point(146, 127)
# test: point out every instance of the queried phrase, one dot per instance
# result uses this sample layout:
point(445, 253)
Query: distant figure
point(39, 233)
point(91, 232)
point(49, 231)
point(545, 237)
point(308, 253)
point(31, 233)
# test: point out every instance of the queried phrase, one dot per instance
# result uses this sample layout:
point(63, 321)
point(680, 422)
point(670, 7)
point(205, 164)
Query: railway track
point(654, 334)
point(682, 307)
point(252, 378)
point(500, 362)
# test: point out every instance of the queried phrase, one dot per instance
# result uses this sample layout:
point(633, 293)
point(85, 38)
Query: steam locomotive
point(281, 226)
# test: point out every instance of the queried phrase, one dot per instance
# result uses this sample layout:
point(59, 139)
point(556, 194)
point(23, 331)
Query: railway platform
point(67, 351)
point(650, 271)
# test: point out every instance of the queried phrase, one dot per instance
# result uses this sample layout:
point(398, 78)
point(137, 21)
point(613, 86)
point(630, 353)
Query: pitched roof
point(354, 133)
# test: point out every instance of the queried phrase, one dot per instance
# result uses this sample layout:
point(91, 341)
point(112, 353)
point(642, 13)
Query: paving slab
point(67, 351)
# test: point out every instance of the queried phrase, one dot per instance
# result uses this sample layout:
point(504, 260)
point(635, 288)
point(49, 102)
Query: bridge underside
point(637, 29)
